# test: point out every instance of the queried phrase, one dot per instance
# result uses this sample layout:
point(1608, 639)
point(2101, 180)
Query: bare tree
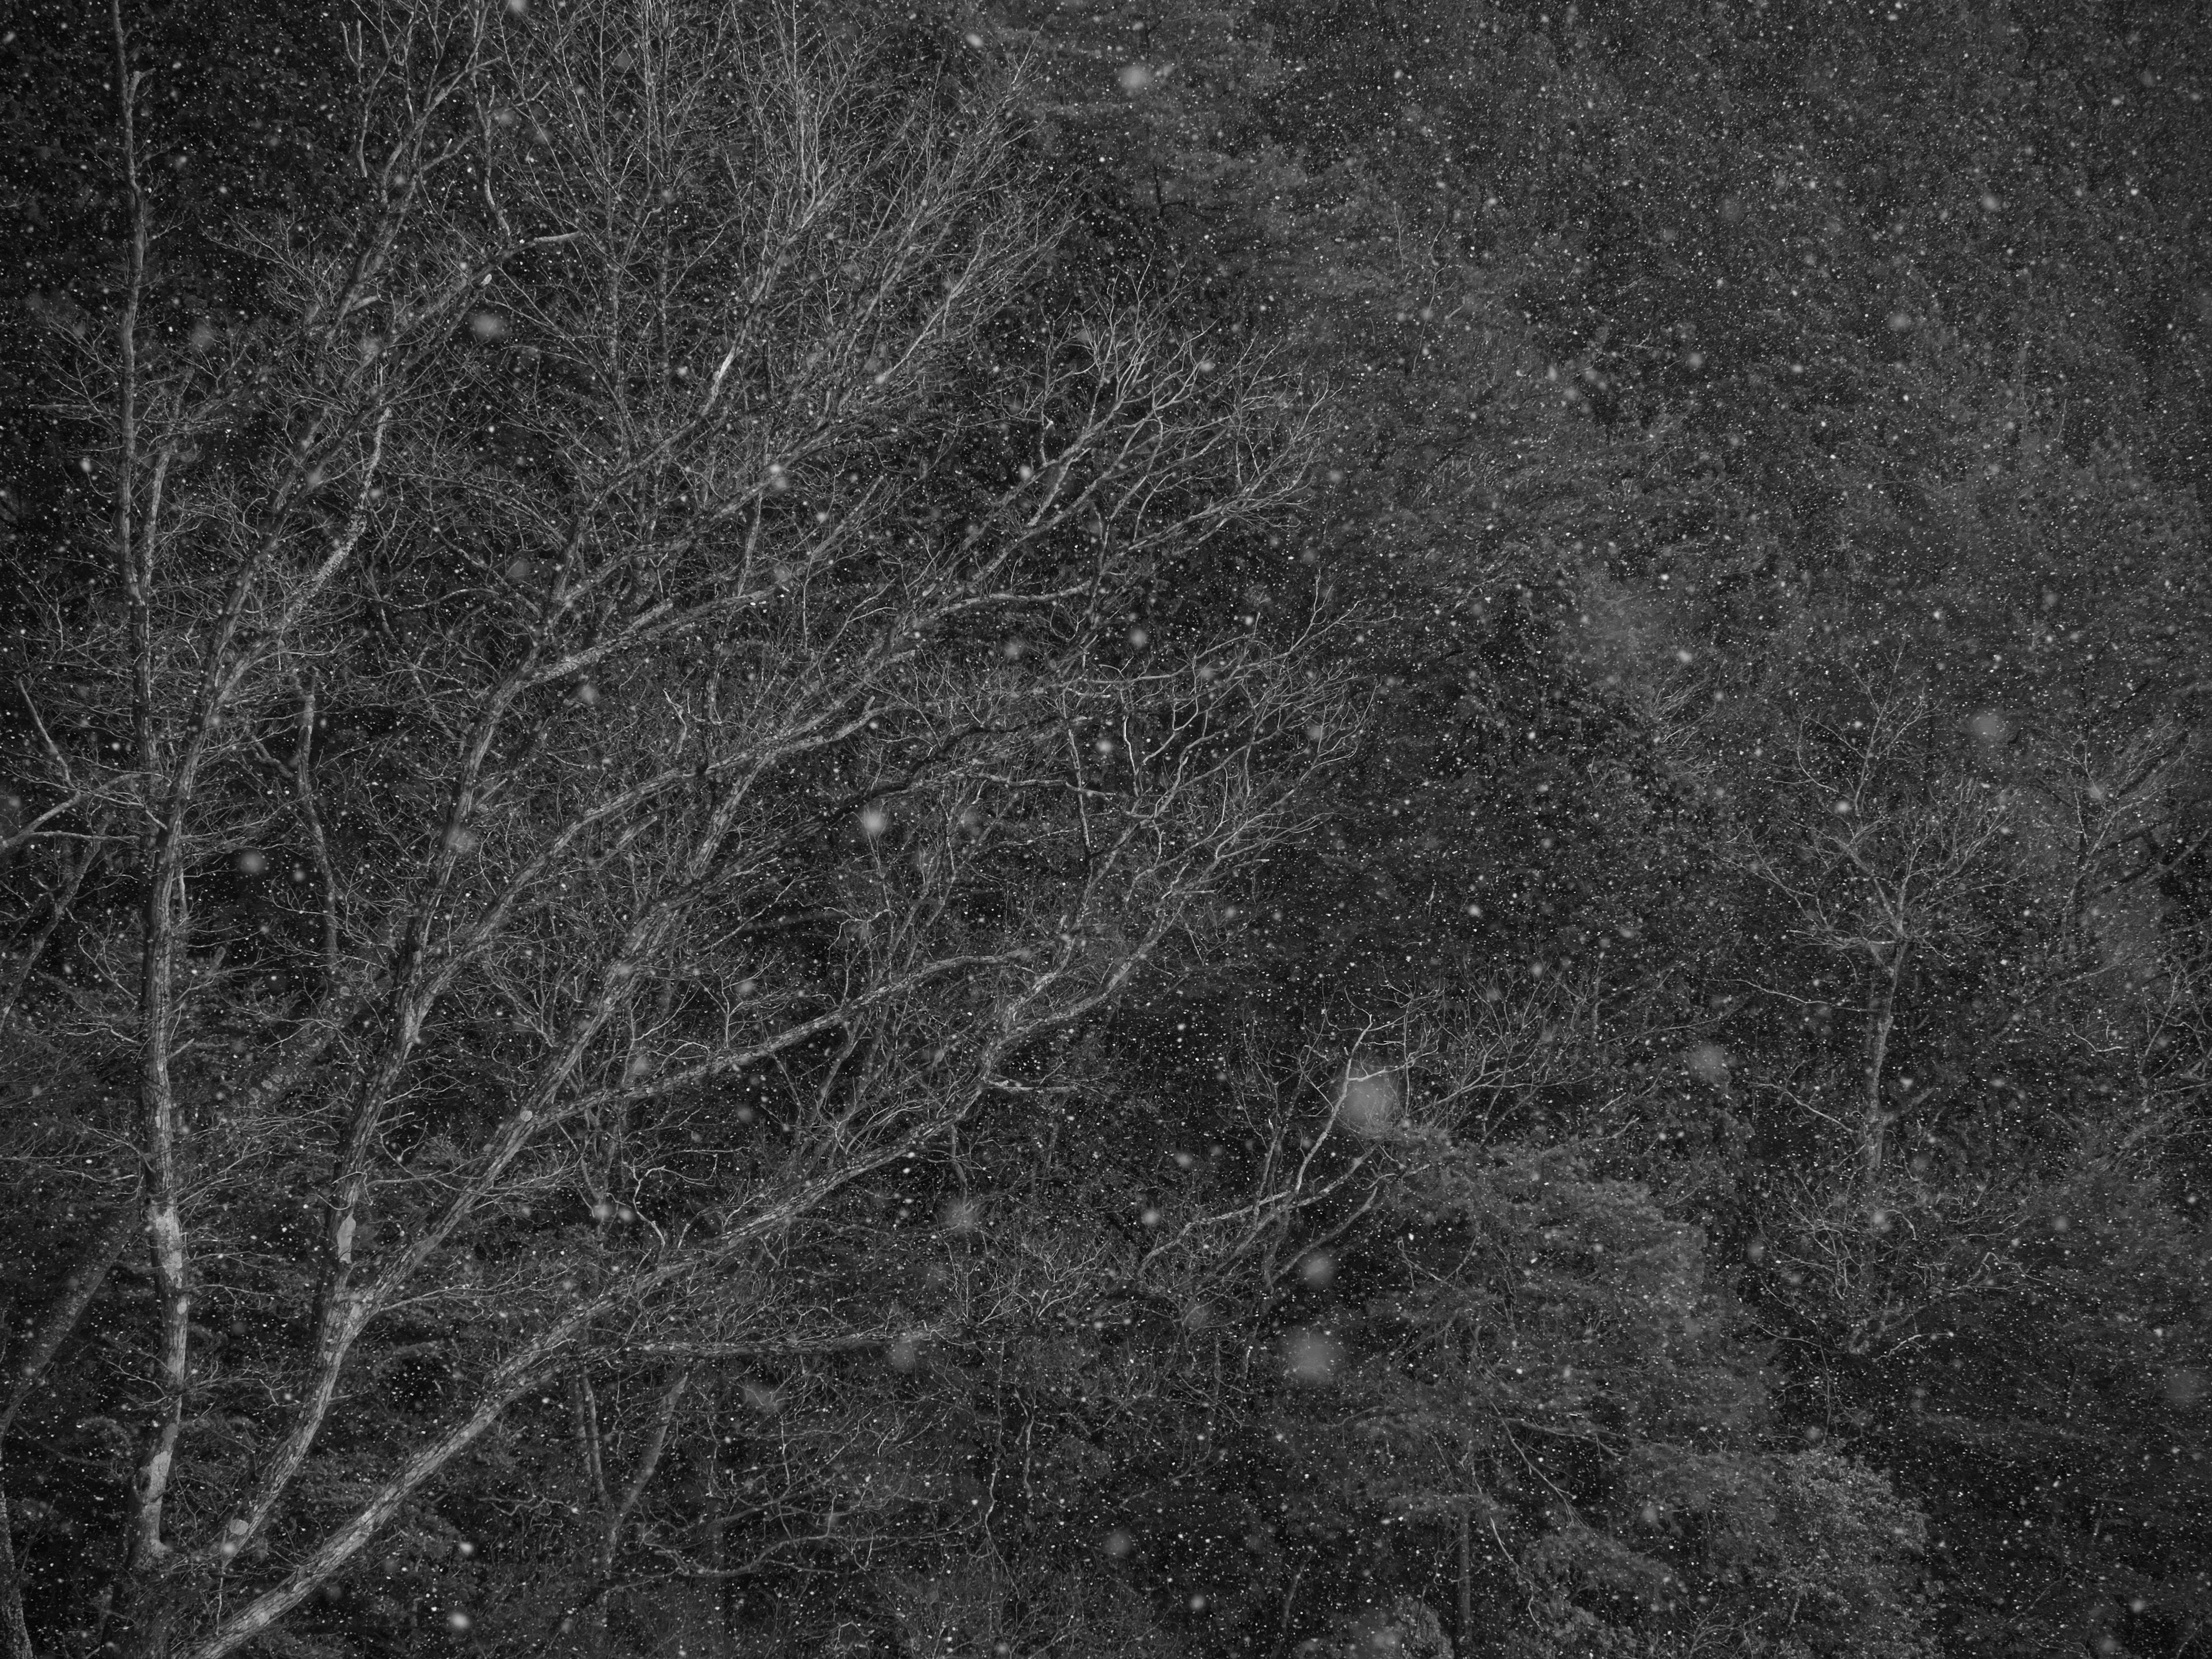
point(605, 715)
point(1885, 868)
point(1982, 950)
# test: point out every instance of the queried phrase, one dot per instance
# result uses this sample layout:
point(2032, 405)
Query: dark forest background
point(1519, 957)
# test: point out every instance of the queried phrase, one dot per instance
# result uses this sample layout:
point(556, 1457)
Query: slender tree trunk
point(1463, 1620)
point(78, 1289)
point(615, 1509)
point(11, 1584)
point(1873, 1120)
point(649, 1464)
point(134, 544)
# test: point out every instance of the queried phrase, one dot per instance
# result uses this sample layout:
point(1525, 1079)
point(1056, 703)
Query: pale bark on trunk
point(11, 1585)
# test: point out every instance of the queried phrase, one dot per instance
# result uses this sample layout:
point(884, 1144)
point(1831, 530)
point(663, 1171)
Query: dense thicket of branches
point(1202, 829)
